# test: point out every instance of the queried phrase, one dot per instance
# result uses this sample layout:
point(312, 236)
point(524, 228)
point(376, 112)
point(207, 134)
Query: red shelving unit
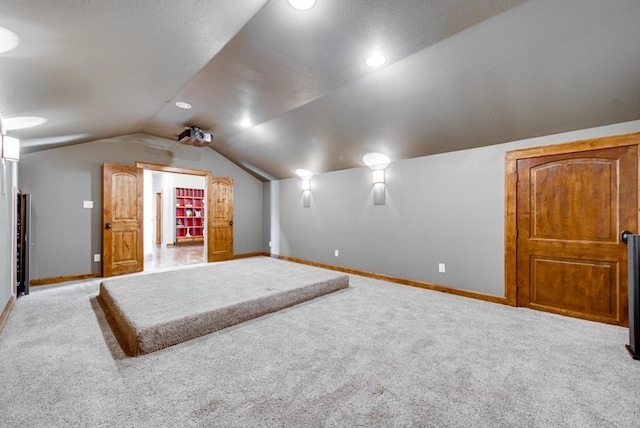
point(190, 211)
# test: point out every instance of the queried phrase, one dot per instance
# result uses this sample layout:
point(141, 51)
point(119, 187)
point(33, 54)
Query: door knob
point(231, 223)
point(107, 226)
point(624, 236)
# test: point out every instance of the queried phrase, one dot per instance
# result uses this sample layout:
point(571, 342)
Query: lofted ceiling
point(459, 74)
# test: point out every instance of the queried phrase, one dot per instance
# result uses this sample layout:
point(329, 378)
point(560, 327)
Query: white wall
point(148, 213)
point(8, 186)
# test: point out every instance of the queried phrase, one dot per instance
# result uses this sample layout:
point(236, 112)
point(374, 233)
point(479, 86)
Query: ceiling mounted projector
point(195, 136)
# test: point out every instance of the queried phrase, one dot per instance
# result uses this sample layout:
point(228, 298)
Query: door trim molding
point(189, 171)
point(159, 219)
point(174, 169)
point(511, 180)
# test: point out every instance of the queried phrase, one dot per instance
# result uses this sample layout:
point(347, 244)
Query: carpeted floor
point(154, 311)
point(375, 354)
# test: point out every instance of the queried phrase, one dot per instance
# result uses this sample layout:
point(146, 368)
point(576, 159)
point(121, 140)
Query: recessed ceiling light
point(8, 40)
point(183, 105)
point(302, 4)
point(246, 123)
point(375, 60)
point(21, 122)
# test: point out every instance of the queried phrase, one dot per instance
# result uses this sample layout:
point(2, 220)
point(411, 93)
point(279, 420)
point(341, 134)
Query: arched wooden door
point(220, 219)
point(570, 209)
point(122, 209)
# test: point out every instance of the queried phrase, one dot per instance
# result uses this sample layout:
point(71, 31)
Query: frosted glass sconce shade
point(306, 184)
point(378, 176)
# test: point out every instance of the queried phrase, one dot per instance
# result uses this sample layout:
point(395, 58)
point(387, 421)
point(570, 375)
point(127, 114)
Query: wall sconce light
point(9, 151)
point(10, 148)
point(377, 162)
point(306, 186)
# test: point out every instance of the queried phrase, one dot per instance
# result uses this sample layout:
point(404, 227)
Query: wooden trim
point(403, 281)
point(59, 279)
point(184, 241)
point(174, 169)
point(246, 255)
point(5, 313)
point(511, 182)
point(510, 232)
point(576, 146)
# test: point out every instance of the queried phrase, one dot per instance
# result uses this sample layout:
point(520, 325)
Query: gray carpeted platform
point(157, 310)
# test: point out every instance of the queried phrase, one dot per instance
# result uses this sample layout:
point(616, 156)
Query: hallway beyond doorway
point(168, 257)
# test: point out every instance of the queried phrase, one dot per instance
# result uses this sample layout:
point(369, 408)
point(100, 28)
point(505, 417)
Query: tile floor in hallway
point(167, 257)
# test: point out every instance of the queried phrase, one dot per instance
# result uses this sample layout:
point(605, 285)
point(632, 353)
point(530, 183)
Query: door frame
point(511, 180)
point(178, 170)
point(158, 219)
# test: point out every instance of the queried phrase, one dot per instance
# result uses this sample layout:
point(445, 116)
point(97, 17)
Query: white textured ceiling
point(460, 74)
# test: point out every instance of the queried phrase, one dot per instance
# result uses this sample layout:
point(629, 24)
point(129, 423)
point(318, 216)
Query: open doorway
point(124, 232)
point(174, 219)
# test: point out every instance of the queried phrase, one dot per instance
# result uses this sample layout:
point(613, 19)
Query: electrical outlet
point(441, 268)
point(337, 253)
point(96, 257)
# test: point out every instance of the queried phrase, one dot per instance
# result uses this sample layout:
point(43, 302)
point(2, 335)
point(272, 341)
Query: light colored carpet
point(374, 355)
point(157, 310)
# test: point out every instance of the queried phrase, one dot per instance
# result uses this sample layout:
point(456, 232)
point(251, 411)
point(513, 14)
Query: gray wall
point(65, 236)
point(7, 183)
point(446, 208)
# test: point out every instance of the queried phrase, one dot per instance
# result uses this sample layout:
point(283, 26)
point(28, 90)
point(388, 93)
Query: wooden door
point(220, 219)
point(571, 209)
point(122, 209)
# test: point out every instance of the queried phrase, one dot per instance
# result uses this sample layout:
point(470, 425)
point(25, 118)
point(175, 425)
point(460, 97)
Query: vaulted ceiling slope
point(459, 74)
